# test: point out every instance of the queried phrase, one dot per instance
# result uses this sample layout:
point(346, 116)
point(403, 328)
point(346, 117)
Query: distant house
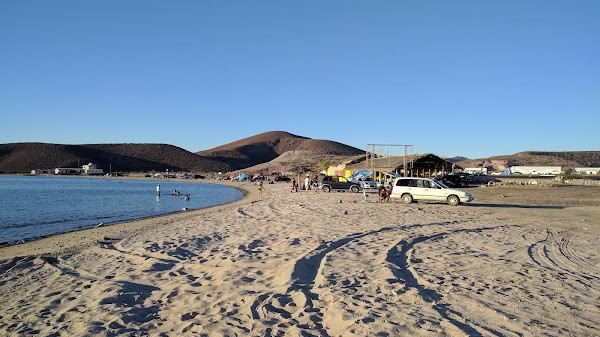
point(90, 169)
point(476, 170)
point(587, 170)
point(41, 171)
point(67, 170)
point(535, 170)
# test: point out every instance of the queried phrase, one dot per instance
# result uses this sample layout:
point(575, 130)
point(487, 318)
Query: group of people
point(175, 193)
point(385, 193)
point(308, 184)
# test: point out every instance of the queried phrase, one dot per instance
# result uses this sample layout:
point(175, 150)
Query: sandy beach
point(518, 261)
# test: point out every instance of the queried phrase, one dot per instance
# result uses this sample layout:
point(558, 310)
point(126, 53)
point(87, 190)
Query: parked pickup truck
point(336, 183)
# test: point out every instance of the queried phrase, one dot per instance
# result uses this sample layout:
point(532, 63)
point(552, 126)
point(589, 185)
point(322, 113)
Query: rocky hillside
point(23, 157)
point(537, 158)
point(268, 146)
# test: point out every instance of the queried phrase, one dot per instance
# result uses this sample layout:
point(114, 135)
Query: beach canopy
point(361, 174)
point(242, 177)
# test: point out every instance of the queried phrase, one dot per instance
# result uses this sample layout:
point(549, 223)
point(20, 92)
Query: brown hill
point(567, 159)
point(247, 152)
point(268, 146)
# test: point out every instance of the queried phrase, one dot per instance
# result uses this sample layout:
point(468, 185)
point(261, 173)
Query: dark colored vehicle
point(283, 178)
point(453, 180)
point(467, 178)
point(336, 183)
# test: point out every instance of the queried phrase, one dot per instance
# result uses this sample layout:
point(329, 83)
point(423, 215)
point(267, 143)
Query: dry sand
point(518, 261)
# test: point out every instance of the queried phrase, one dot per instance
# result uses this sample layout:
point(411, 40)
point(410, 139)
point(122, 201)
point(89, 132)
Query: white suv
point(411, 189)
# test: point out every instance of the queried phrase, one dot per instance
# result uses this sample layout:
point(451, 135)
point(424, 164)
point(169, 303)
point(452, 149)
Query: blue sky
point(471, 78)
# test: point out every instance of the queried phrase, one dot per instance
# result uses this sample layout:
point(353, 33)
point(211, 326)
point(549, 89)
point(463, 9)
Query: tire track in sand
point(405, 273)
point(297, 305)
point(300, 306)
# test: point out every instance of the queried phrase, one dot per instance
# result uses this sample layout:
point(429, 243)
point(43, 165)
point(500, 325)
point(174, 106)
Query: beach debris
point(100, 224)
point(345, 212)
point(340, 201)
point(108, 240)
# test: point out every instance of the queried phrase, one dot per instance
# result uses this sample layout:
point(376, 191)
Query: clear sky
point(472, 78)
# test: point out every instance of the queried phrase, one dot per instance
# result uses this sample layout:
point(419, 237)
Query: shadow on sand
point(512, 206)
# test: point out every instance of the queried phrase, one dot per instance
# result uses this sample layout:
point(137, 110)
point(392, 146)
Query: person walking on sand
point(261, 188)
point(158, 190)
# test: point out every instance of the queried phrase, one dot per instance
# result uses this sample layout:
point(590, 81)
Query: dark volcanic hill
point(23, 157)
point(267, 146)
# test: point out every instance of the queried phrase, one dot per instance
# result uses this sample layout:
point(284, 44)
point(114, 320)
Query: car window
point(403, 182)
point(427, 184)
point(334, 179)
point(413, 183)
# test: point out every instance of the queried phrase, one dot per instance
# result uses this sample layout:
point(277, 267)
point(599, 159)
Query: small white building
point(67, 170)
point(41, 171)
point(535, 170)
point(90, 169)
point(587, 170)
point(476, 170)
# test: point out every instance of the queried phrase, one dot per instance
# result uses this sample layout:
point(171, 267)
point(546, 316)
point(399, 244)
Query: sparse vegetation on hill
point(537, 158)
point(270, 146)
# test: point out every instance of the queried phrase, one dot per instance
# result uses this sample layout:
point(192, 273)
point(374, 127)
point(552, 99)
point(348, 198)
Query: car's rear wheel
point(326, 188)
point(453, 200)
point(354, 189)
point(407, 199)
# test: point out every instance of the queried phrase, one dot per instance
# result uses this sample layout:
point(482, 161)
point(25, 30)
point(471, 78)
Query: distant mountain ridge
point(247, 152)
point(273, 150)
point(567, 159)
point(24, 157)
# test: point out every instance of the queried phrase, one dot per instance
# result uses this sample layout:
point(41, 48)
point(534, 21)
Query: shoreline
point(77, 239)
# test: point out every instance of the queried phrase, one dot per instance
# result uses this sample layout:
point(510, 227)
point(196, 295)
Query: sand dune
point(317, 264)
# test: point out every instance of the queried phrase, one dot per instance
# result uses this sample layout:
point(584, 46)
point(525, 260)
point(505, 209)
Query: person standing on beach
point(307, 183)
point(261, 188)
point(294, 187)
point(158, 190)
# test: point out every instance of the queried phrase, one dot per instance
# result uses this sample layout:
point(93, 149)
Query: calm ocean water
point(31, 207)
